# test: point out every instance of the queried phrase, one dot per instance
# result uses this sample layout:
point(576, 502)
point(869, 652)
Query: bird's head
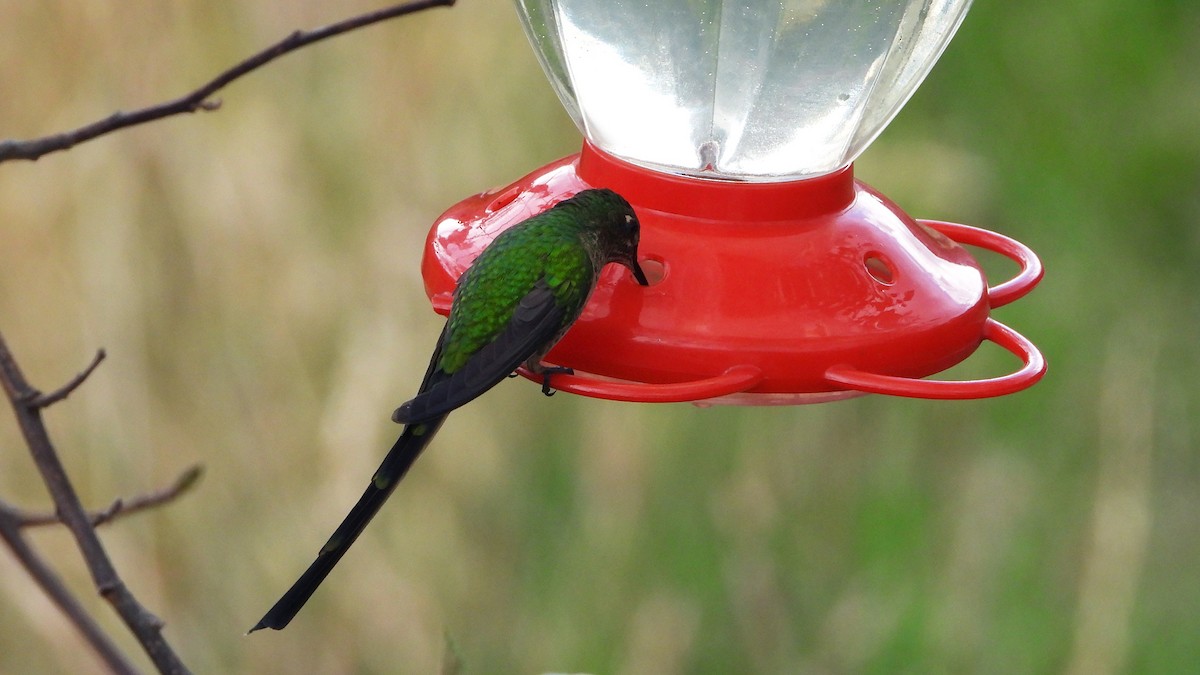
point(616, 227)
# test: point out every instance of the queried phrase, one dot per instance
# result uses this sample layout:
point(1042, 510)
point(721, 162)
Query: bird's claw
point(553, 370)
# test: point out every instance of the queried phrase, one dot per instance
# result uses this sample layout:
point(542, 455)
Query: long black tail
point(397, 462)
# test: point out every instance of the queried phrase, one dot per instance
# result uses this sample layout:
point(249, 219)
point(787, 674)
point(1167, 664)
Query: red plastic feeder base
point(761, 293)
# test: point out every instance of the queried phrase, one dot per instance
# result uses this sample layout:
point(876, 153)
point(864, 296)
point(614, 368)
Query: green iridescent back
point(550, 245)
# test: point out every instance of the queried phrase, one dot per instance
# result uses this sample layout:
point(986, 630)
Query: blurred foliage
point(253, 274)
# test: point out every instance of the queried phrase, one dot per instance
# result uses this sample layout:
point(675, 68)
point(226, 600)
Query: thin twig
point(146, 627)
point(47, 400)
point(120, 507)
point(200, 99)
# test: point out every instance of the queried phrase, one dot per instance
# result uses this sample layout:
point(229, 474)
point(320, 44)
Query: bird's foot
point(553, 370)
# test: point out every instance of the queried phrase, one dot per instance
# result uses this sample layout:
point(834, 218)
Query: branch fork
point(27, 402)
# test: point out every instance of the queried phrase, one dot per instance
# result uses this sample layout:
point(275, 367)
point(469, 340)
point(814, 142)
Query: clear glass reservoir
point(761, 90)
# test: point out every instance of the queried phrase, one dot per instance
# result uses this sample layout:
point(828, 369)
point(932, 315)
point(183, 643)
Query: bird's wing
point(432, 373)
point(535, 322)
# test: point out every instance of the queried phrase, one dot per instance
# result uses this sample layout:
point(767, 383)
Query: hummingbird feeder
point(776, 276)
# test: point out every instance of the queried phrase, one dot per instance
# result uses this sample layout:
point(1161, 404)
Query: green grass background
point(253, 274)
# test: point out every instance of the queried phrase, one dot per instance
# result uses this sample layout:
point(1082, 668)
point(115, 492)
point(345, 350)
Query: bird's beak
point(638, 273)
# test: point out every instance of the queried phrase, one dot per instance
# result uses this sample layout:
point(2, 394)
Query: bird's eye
point(631, 224)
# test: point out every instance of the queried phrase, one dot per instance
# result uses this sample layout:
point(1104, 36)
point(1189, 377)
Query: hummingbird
point(510, 307)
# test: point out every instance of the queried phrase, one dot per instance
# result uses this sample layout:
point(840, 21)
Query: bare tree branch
point(144, 625)
point(60, 595)
point(27, 402)
point(13, 520)
point(119, 508)
point(47, 400)
point(200, 99)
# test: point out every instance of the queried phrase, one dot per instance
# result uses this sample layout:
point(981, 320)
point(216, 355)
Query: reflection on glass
point(756, 89)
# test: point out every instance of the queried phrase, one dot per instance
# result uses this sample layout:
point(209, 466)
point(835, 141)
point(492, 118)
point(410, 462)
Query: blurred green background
point(253, 274)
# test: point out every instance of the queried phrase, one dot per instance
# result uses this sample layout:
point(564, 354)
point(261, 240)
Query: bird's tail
point(397, 462)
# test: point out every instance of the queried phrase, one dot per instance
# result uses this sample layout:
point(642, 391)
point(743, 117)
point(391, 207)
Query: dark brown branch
point(146, 627)
point(44, 576)
point(120, 507)
point(200, 99)
point(47, 400)
point(27, 402)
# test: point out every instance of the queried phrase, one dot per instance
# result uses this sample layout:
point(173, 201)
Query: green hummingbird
point(510, 307)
